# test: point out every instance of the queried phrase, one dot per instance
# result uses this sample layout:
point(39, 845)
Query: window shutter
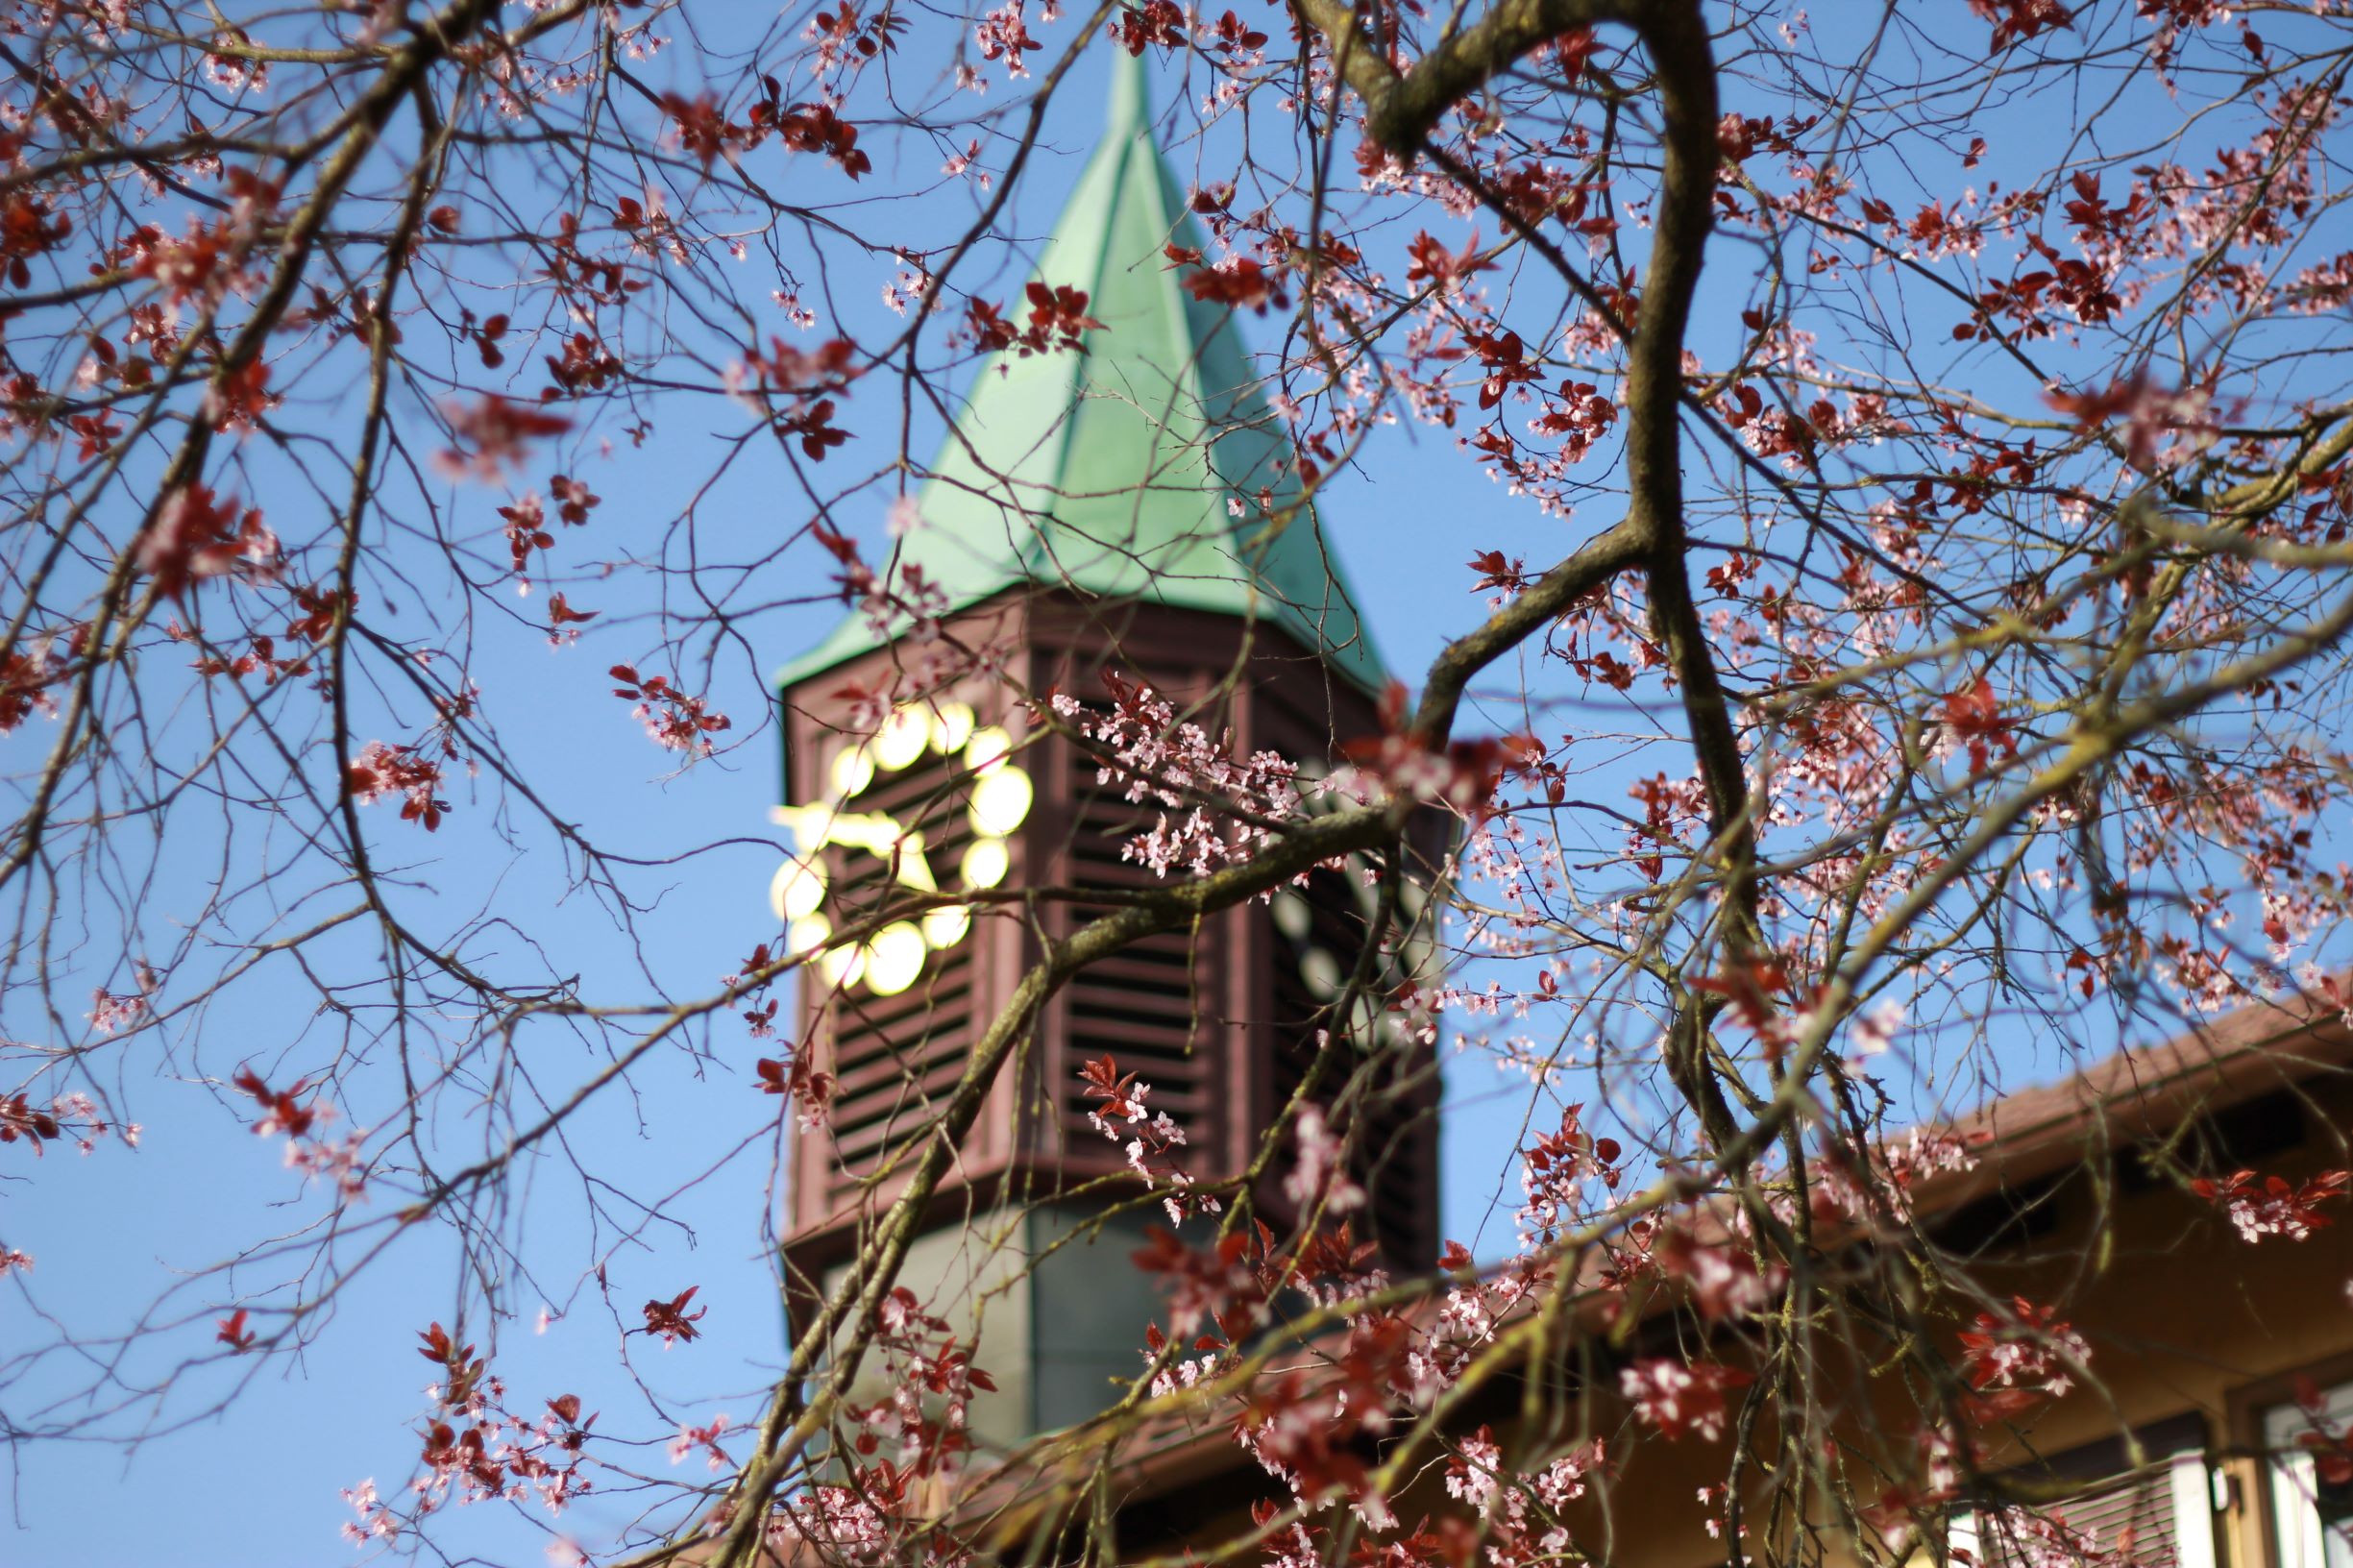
point(2158, 1517)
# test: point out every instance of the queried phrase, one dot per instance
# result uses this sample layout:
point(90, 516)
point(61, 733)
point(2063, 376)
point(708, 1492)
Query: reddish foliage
point(674, 720)
point(670, 1320)
point(560, 613)
point(499, 434)
point(25, 678)
point(1432, 264)
point(382, 770)
point(1973, 715)
point(1495, 572)
point(462, 1369)
point(703, 127)
point(814, 425)
point(1204, 1287)
point(2274, 1205)
point(1105, 1082)
point(809, 1089)
point(1057, 320)
point(230, 1331)
point(815, 127)
point(29, 228)
point(196, 536)
point(1241, 282)
point(281, 1109)
point(1160, 22)
point(2015, 21)
point(322, 609)
point(525, 532)
point(1233, 35)
point(19, 1119)
point(1683, 1399)
point(1464, 774)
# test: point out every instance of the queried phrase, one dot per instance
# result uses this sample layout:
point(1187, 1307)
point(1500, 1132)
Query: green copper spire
point(1112, 470)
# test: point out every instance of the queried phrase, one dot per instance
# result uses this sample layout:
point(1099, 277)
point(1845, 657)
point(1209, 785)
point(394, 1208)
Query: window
point(2160, 1516)
point(2310, 1514)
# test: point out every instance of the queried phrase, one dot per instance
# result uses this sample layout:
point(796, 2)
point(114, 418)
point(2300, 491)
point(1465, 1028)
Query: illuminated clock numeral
point(1002, 794)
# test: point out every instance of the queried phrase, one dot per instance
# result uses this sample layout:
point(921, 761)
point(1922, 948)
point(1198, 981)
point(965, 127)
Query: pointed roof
point(1110, 470)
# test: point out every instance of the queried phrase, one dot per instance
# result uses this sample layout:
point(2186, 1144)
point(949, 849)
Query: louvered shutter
point(896, 1057)
point(2157, 1517)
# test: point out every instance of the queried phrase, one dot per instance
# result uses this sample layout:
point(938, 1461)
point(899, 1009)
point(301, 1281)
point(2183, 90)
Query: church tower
point(1096, 511)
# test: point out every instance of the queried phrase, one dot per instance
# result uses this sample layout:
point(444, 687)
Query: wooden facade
point(2198, 1337)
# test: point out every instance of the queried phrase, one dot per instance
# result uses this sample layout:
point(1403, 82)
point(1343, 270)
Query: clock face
point(974, 761)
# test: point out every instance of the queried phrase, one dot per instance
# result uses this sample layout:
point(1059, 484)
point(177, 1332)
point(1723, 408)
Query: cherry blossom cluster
point(1554, 1172)
point(1519, 1503)
point(674, 720)
point(2274, 1205)
point(1119, 1114)
point(796, 1076)
point(2027, 1349)
point(198, 536)
point(1681, 1398)
point(921, 1427)
point(380, 770)
point(706, 1437)
point(340, 1162)
point(903, 604)
point(1465, 1320)
point(71, 1116)
point(867, 1524)
point(1724, 1279)
point(1231, 805)
point(28, 673)
point(1880, 1186)
point(478, 1450)
point(1305, 1427)
point(1462, 775)
point(1320, 1170)
point(1306, 1424)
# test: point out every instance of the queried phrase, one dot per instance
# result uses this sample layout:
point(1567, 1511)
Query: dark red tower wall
point(1219, 1018)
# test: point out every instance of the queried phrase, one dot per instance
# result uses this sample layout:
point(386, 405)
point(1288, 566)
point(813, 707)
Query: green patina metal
point(1110, 470)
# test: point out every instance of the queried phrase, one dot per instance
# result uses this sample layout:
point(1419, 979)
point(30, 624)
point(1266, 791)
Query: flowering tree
point(1940, 429)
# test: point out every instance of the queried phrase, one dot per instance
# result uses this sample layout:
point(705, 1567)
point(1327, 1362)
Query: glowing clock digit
point(1003, 794)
